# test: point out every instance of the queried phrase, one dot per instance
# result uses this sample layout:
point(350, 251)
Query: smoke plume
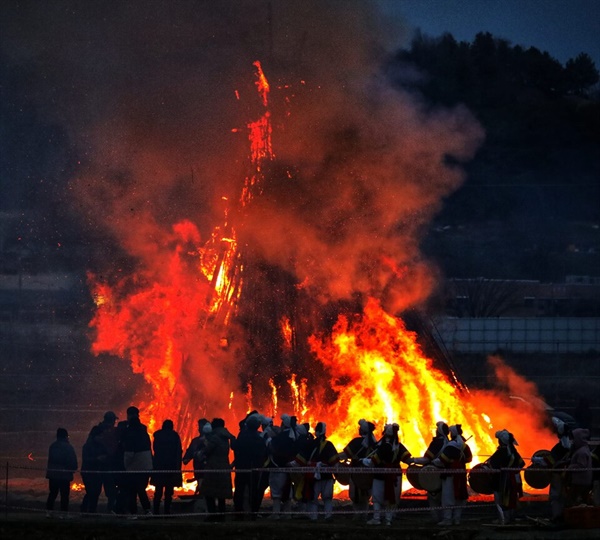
point(149, 94)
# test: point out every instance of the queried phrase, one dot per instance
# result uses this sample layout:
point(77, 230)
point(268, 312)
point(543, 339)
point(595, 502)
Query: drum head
point(481, 479)
point(538, 478)
point(429, 478)
point(412, 475)
point(363, 480)
point(342, 476)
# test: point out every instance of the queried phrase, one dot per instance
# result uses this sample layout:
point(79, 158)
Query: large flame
point(380, 373)
point(172, 324)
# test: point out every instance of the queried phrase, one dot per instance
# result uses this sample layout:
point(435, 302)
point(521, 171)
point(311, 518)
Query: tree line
point(491, 71)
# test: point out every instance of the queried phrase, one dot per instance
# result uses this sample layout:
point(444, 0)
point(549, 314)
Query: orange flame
point(380, 374)
point(287, 332)
point(299, 397)
point(377, 370)
point(273, 397)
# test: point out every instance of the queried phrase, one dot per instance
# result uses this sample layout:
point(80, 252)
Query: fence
point(554, 335)
point(342, 474)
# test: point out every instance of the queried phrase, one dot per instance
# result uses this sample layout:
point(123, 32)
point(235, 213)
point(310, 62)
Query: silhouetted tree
point(543, 72)
point(580, 74)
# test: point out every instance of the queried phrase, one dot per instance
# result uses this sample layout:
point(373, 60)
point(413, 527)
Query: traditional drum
point(481, 479)
point(536, 476)
point(412, 475)
point(341, 474)
point(429, 478)
point(363, 480)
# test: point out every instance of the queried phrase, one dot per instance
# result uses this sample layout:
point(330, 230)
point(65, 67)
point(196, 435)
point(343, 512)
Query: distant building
point(578, 296)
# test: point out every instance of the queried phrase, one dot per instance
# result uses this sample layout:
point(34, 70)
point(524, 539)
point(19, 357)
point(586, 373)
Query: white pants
point(277, 482)
point(452, 506)
point(379, 502)
point(505, 516)
point(323, 489)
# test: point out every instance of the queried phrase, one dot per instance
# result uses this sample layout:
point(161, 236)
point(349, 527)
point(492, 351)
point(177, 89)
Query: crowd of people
point(299, 466)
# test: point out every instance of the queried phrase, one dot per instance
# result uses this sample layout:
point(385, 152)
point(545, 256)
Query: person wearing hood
point(386, 489)
point(101, 453)
point(320, 452)
point(435, 448)
point(508, 486)
point(137, 459)
point(303, 442)
point(216, 486)
point(281, 450)
point(557, 459)
point(93, 457)
point(167, 457)
point(360, 484)
point(250, 454)
point(62, 463)
point(580, 468)
point(453, 459)
point(195, 453)
point(108, 436)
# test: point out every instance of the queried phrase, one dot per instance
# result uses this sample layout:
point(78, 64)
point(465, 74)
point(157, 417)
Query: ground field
point(25, 518)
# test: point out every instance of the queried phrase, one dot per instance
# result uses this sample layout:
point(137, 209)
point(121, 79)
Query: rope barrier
point(305, 470)
point(300, 512)
point(295, 513)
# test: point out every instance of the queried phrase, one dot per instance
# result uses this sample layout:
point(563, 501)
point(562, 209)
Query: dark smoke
point(146, 92)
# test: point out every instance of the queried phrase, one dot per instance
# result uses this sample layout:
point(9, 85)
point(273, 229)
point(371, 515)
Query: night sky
point(564, 28)
point(90, 90)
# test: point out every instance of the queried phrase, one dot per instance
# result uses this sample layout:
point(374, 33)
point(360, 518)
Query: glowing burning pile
point(382, 375)
point(174, 321)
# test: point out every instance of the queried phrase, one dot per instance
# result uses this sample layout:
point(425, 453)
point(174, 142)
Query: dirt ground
point(35, 526)
point(476, 525)
point(25, 518)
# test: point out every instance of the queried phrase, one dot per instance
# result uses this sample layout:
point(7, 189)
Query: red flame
point(170, 323)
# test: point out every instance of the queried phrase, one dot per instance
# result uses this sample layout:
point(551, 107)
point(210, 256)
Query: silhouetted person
point(137, 458)
point(122, 486)
point(100, 453)
point(250, 452)
point(580, 468)
point(167, 457)
point(320, 452)
point(216, 486)
point(507, 485)
point(454, 457)
point(357, 449)
point(93, 455)
point(62, 463)
point(113, 461)
point(195, 454)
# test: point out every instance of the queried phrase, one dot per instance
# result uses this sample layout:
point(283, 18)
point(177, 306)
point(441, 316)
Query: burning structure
point(271, 274)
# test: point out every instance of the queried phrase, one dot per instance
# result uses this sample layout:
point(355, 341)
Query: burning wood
point(279, 356)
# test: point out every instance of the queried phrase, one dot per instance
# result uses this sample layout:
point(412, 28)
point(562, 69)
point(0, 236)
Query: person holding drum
point(580, 468)
point(387, 486)
point(453, 459)
point(360, 484)
point(434, 486)
point(281, 450)
point(508, 486)
point(557, 460)
point(320, 452)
